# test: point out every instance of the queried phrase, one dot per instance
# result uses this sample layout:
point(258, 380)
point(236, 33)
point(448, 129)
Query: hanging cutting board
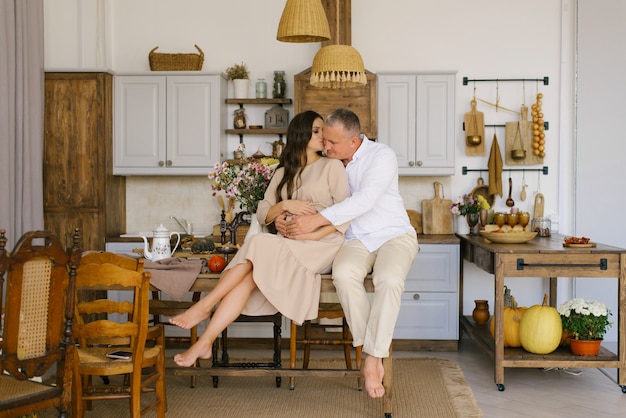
point(520, 134)
point(475, 125)
point(436, 214)
point(539, 201)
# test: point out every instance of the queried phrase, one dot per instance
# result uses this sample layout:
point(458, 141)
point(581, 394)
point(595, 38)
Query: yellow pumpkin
point(540, 329)
point(512, 318)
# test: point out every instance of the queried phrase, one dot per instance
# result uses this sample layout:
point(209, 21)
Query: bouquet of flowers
point(585, 319)
point(245, 181)
point(467, 204)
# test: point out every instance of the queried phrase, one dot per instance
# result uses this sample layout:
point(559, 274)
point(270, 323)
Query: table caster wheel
point(500, 387)
point(623, 389)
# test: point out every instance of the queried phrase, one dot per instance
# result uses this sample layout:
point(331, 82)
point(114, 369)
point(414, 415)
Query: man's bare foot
point(189, 357)
point(373, 372)
point(190, 318)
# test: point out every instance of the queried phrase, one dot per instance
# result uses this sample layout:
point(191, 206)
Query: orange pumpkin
point(217, 263)
point(512, 318)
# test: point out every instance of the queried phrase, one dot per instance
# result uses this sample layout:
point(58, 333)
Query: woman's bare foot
point(373, 372)
point(191, 317)
point(189, 357)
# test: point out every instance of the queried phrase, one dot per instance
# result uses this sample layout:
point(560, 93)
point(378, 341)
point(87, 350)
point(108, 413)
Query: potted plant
point(240, 75)
point(470, 207)
point(585, 321)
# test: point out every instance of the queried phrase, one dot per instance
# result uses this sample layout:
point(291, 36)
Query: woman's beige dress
point(287, 271)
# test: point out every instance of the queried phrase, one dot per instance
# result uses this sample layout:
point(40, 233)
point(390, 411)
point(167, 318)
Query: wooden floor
point(539, 393)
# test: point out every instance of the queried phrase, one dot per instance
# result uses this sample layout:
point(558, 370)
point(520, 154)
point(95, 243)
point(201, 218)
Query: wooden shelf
point(258, 101)
point(518, 357)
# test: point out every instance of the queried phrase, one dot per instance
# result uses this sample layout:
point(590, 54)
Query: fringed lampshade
point(303, 21)
point(338, 66)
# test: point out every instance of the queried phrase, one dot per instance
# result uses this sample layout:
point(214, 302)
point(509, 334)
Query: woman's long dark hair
point(293, 158)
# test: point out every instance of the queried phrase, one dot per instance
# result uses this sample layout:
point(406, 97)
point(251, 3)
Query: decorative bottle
point(279, 85)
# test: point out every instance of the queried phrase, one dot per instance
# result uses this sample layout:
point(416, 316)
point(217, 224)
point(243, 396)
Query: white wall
point(600, 147)
point(480, 40)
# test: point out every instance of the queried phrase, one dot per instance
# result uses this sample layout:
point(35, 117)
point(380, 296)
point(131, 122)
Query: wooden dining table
point(205, 282)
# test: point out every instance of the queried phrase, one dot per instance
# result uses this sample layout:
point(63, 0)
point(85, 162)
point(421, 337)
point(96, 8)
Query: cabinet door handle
point(419, 163)
point(416, 296)
point(411, 163)
point(169, 163)
point(161, 163)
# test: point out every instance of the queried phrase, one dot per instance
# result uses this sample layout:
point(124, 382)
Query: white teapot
point(160, 244)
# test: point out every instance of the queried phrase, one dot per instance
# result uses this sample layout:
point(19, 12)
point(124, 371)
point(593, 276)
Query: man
point(380, 239)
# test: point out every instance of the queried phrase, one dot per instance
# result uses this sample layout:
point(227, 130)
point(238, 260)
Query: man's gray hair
point(347, 118)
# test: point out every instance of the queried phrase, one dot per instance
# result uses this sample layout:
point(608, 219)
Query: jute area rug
point(422, 387)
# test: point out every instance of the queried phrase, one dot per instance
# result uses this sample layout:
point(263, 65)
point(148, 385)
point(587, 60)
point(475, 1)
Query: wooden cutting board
point(520, 134)
point(538, 210)
point(474, 122)
point(436, 214)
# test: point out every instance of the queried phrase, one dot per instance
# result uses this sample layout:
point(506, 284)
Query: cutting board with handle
point(539, 201)
point(436, 213)
point(475, 125)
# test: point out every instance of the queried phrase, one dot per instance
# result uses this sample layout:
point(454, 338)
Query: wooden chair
point(145, 371)
point(328, 311)
point(37, 324)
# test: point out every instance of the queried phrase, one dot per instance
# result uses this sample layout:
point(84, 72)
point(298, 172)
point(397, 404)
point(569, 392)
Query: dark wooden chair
point(145, 370)
point(159, 307)
point(327, 311)
point(37, 336)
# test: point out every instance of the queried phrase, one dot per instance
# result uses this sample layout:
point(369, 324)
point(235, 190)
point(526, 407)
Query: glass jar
point(261, 89)
point(280, 85)
point(239, 121)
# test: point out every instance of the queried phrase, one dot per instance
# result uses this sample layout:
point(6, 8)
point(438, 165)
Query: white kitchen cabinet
point(168, 124)
point(430, 303)
point(416, 119)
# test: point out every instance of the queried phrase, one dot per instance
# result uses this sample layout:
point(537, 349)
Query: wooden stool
point(329, 311)
point(158, 307)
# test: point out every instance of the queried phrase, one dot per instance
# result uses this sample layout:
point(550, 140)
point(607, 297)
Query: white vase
point(241, 88)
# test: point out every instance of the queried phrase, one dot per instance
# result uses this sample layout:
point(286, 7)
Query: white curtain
point(21, 117)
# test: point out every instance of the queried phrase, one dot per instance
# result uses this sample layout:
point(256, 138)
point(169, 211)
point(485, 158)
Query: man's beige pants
point(372, 324)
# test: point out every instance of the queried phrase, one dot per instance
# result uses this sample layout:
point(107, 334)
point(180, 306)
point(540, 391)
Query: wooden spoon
point(509, 201)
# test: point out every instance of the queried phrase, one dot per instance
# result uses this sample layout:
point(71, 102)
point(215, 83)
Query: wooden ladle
point(509, 201)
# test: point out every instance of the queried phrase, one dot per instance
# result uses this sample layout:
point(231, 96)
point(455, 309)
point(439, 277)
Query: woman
point(270, 273)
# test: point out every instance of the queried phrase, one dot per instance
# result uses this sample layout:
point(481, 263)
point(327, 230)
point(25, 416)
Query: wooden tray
point(509, 237)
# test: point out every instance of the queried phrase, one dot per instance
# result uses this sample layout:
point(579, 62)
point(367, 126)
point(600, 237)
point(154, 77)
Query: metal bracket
point(603, 264)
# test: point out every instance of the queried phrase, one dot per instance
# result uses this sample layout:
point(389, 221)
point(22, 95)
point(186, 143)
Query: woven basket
point(176, 62)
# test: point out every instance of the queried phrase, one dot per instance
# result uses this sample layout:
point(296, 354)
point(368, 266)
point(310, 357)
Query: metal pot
point(473, 140)
point(518, 154)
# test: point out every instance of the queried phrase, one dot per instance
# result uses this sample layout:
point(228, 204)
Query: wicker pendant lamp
point(338, 66)
point(303, 21)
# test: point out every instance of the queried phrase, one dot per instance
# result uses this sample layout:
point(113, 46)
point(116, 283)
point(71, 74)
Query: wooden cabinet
point(430, 303)
point(361, 100)
point(416, 119)
point(168, 124)
point(79, 187)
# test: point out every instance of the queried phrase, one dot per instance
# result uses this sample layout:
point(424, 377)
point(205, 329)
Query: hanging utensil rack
point(546, 126)
point(545, 80)
point(544, 169)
